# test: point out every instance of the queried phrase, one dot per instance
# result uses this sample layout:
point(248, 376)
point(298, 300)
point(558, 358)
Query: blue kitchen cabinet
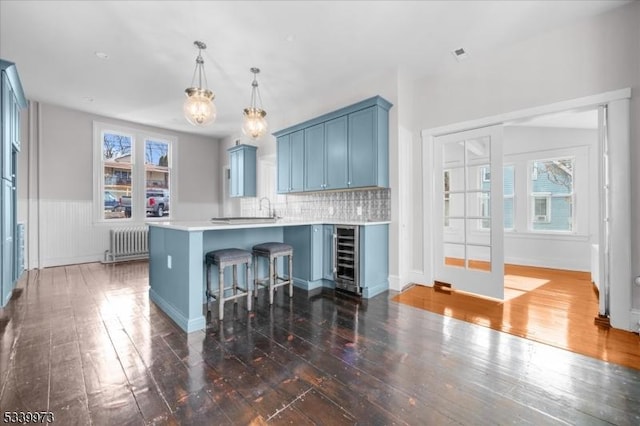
point(11, 101)
point(242, 169)
point(347, 148)
point(290, 162)
point(307, 243)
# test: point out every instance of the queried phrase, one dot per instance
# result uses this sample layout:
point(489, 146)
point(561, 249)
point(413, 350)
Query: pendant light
point(255, 126)
point(199, 108)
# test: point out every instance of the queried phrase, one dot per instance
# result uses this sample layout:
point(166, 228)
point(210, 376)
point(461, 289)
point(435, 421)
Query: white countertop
point(195, 226)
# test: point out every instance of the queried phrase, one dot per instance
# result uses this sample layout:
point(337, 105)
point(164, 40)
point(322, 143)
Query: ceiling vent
point(460, 54)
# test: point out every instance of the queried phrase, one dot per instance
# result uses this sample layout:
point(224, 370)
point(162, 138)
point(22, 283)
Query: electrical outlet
point(359, 210)
point(169, 261)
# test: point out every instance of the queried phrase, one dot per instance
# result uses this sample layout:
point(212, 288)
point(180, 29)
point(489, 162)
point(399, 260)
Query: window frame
point(534, 175)
point(139, 137)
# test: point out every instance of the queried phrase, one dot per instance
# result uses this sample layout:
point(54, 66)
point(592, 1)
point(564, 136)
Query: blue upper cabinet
point(242, 169)
point(11, 101)
point(290, 152)
point(347, 148)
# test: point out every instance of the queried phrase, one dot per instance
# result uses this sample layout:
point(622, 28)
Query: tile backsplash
point(372, 204)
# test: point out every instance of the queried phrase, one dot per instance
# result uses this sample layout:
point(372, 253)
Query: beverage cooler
point(346, 249)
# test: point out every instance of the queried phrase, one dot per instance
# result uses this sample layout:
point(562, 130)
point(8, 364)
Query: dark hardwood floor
point(85, 343)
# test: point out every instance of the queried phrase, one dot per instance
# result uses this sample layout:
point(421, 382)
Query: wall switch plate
point(359, 210)
point(169, 261)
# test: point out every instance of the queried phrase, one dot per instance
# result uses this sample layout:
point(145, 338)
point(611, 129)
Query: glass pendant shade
point(255, 125)
point(199, 108)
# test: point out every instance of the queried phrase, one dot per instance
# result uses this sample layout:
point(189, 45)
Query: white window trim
point(138, 138)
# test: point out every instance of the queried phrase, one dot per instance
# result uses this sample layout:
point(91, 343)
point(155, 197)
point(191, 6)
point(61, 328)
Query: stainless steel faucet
point(269, 212)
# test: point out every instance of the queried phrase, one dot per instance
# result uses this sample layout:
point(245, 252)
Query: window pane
point(157, 176)
point(554, 210)
point(117, 162)
point(508, 213)
point(508, 180)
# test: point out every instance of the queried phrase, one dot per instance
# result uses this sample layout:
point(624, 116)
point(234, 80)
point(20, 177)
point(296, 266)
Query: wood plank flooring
point(85, 343)
point(551, 306)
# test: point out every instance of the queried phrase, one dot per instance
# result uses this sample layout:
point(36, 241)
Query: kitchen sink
point(244, 219)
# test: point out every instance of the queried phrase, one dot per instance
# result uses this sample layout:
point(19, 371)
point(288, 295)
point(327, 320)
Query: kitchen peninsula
point(176, 259)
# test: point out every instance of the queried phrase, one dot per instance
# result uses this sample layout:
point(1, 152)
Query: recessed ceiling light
point(102, 55)
point(460, 54)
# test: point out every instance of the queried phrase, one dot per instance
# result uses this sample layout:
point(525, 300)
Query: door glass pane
point(478, 204)
point(156, 171)
point(116, 163)
point(479, 177)
point(454, 231)
point(454, 180)
point(478, 151)
point(456, 205)
point(476, 233)
point(454, 255)
point(479, 258)
point(453, 154)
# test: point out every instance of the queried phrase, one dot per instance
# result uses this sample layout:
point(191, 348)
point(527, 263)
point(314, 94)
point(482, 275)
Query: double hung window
point(133, 173)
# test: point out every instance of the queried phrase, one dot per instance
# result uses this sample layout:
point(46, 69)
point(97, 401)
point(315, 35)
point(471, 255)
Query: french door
point(468, 211)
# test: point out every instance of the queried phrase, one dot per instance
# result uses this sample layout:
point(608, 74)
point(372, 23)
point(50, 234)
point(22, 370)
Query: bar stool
point(272, 251)
point(223, 258)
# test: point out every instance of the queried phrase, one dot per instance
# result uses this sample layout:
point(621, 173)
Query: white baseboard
point(61, 261)
point(547, 263)
point(395, 283)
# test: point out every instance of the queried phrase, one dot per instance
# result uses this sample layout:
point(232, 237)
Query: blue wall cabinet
point(347, 148)
point(290, 153)
point(242, 169)
point(11, 101)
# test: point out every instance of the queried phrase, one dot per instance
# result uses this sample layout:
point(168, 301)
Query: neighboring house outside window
point(552, 195)
point(132, 189)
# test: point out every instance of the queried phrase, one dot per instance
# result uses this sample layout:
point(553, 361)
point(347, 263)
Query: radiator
point(127, 244)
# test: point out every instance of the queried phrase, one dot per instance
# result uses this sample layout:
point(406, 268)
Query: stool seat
point(223, 258)
point(272, 249)
point(231, 255)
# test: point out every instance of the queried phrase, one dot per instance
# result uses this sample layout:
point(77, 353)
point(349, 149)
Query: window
point(132, 189)
point(552, 195)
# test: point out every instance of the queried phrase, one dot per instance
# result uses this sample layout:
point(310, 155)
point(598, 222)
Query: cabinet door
point(7, 124)
point(316, 252)
point(297, 161)
point(314, 158)
point(363, 148)
point(234, 166)
point(327, 252)
point(6, 233)
point(284, 163)
point(336, 153)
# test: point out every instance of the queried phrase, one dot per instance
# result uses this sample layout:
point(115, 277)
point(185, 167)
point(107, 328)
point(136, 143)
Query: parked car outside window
point(111, 203)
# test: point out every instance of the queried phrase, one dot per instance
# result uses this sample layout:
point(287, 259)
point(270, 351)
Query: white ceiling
point(308, 51)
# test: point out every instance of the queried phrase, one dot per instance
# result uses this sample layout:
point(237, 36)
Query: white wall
point(593, 56)
point(55, 186)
